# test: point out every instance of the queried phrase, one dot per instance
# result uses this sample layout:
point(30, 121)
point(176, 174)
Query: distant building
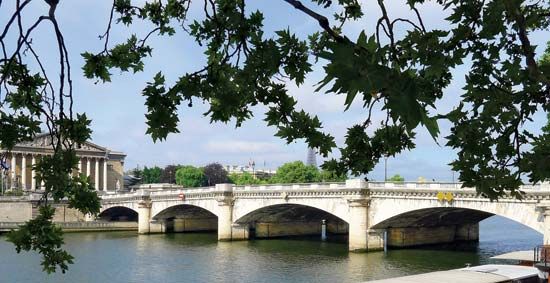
point(259, 173)
point(105, 167)
point(311, 157)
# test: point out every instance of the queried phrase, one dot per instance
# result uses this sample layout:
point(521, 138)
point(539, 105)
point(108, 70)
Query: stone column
point(144, 215)
point(88, 165)
point(96, 171)
point(33, 173)
point(79, 166)
point(13, 170)
point(225, 215)
point(105, 174)
point(24, 171)
point(358, 224)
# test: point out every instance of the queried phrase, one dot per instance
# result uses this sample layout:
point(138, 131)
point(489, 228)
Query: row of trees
point(214, 173)
point(186, 175)
point(291, 172)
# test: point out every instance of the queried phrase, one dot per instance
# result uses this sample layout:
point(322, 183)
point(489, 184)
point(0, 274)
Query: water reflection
point(127, 257)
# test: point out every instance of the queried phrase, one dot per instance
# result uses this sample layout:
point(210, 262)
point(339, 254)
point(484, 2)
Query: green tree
point(190, 176)
point(296, 172)
point(151, 175)
point(215, 174)
point(330, 176)
point(396, 178)
point(399, 66)
point(245, 178)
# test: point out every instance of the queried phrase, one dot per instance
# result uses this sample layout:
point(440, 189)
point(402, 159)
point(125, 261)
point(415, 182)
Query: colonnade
point(25, 157)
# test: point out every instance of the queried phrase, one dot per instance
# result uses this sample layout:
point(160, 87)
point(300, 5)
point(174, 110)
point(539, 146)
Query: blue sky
point(117, 108)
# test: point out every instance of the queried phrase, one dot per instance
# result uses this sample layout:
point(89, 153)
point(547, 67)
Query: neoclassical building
point(105, 167)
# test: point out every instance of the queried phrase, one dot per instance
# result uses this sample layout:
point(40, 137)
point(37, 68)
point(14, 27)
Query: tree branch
point(323, 21)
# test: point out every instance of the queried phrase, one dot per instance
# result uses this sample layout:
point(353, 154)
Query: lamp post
point(385, 168)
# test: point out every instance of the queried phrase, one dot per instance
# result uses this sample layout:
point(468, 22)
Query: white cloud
point(239, 146)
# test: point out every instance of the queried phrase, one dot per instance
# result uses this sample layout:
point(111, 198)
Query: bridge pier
point(361, 237)
point(144, 216)
point(225, 212)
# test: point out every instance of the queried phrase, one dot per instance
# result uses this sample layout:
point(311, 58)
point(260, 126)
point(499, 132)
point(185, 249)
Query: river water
point(127, 257)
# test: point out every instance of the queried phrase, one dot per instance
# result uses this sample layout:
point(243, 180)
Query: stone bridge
point(373, 214)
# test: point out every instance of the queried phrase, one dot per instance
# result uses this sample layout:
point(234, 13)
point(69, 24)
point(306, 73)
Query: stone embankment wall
point(15, 211)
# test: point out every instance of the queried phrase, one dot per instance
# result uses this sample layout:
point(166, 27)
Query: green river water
point(127, 257)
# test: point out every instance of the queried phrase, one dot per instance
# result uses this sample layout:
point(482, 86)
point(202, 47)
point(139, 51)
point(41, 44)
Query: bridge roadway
point(372, 214)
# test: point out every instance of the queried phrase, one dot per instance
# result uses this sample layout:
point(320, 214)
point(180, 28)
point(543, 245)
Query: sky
point(117, 108)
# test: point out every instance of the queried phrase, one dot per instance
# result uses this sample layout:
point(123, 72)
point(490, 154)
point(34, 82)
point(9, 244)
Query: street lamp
point(385, 168)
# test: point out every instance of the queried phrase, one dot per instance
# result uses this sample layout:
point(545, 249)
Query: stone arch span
point(336, 207)
point(288, 219)
point(129, 205)
point(183, 210)
point(187, 218)
point(396, 212)
point(119, 213)
point(209, 205)
point(411, 222)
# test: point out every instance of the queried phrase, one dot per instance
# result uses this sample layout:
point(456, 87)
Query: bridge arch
point(183, 210)
point(287, 211)
point(187, 218)
point(119, 213)
point(336, 207)
point(209, 205)
point(415, 212)
point(289, 219)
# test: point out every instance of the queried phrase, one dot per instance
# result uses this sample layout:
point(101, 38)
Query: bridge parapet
point(287, 187)
point(350, 187)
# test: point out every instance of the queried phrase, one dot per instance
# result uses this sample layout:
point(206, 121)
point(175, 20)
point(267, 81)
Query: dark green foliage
point(190, 176)
point(396, 178)
point(215, 174)
point(43, 236)
point(168, 174)
point(330, 176)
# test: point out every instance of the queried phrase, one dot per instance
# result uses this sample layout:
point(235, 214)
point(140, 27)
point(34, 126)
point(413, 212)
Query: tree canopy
point(396, 178)
point(399, 67)
point(190, 176)
point(291, 172)
point(245, 178)
point(151, 175)
point(296, 172)
point(215, 174)
point(169, 174)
